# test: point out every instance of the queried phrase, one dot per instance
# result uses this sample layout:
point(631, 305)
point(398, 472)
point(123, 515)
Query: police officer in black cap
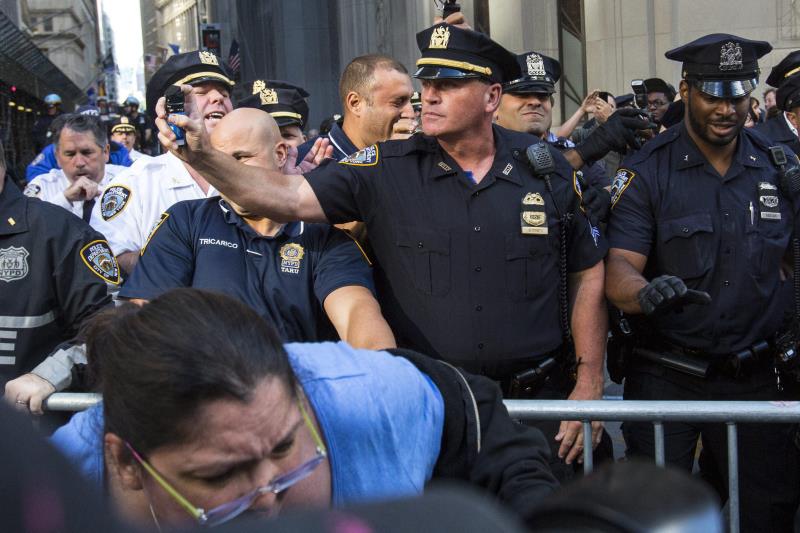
point(699, 228)
point(468, 239)
point(527, 106)
point(785, 76)
point(285, 102)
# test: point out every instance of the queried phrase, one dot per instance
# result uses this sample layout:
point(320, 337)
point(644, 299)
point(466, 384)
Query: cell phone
point(639, 93)
point(450, 7)
point(175, 106)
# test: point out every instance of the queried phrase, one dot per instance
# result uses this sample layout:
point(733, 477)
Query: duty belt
point(700, 364)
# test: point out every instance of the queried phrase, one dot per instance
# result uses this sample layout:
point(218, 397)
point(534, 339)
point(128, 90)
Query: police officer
point(285, 102)
point(785, 76)
point(133, 202)
point(54, 270)
point(124, 132)
point(468, 239)
point(307, 279)
point(697, 234)
point(41, 128)
point(81, 147)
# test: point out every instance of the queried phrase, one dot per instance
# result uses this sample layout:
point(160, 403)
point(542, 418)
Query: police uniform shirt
point(779, 130)
point(342, 145)
point(285, 278)
point(50, 187)
point(133, 202)
point(54, 270)
point(460, 273)
point(723, 235)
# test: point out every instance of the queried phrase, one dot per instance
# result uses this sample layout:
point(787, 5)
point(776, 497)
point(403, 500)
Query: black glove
point(596, 201)
point(616, 134)
point(668, 292)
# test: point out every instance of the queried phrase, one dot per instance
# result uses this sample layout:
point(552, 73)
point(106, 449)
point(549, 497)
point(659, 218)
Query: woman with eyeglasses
point(207, 416)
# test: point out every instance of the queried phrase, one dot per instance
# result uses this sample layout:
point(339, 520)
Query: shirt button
point(479, 308)
point(477, 228)
point(419, 244)
point(726, 282)
point(685, 229)
point(480, 346)
point(478, 269)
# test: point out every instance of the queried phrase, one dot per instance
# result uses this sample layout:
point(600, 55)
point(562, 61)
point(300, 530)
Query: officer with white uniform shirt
point(81, 149)
point(133, 201)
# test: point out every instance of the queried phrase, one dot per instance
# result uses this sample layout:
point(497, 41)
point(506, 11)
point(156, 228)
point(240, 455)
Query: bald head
point(251, 136)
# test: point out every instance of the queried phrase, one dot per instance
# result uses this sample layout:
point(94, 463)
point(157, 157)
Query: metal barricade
point(657, 412)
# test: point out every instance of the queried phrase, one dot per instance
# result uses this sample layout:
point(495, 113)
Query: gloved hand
point(616, 134)
point(596, 201)
point(668, 292)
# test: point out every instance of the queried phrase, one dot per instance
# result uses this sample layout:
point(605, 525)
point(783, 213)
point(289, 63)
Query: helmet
point(52, 99)
point(132, 101)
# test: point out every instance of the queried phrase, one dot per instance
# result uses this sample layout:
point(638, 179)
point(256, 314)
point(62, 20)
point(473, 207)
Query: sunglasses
point(228, 511)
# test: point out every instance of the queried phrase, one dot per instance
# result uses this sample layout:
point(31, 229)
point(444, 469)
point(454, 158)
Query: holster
point(621, 343)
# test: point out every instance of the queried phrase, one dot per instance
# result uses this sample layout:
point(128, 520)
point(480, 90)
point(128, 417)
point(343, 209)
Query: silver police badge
point(730, 56)
point(114, 201)
point(97, 255)
point(13, 263)
point(535, 65)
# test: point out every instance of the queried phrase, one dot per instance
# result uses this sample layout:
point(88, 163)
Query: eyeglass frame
point(276, 485)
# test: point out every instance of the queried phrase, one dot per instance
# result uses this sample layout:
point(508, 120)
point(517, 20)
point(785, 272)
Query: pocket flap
point(685, 226)
point(424, 240)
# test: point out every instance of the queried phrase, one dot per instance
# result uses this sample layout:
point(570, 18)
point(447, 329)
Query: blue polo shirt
point(285, 278)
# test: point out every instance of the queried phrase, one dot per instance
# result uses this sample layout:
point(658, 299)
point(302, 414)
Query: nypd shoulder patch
point(99, 258)
point(621, 182)
point(159, 222)
point(576, 183)
point(32, 190)
point(367, 157)
point(114, 201)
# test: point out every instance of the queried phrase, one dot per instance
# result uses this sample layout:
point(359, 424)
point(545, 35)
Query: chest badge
point(291, 257)
point(13, 263)
point(768, 201)
point(533, 219)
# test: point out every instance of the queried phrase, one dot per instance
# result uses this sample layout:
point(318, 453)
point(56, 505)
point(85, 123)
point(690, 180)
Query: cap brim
point(528, 87)
point(197, 78)
point(123, 129)
point(727, 88)
point(438, 73)
point(283, 118)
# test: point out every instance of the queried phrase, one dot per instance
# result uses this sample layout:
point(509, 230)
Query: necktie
point(87, 210)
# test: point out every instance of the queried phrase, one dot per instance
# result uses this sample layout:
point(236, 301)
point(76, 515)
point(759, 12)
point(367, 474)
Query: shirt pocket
point(767, 242)
point(528, 266)
point(687, 246)
point(427, 252)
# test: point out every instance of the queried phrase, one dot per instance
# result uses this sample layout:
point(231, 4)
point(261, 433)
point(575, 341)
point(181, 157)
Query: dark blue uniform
point(461, 275)
point(342, 145)
point(286, 278)
point(725, 235)
point(777, 130)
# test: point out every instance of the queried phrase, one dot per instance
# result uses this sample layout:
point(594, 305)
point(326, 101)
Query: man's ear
point(492, 97)
point(353, 103)
point(281, 154)
point(683, 90)
point(120, 464)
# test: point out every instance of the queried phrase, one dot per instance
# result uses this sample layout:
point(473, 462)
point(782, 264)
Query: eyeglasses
point(657, 103)
point(232, 509)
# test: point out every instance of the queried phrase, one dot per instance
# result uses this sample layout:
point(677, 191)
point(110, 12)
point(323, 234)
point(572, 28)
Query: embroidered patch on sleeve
point(161, 220)
point(368, 157)
point(99, 258)
point(623, 178)
point(32, 190)
point(114, 201)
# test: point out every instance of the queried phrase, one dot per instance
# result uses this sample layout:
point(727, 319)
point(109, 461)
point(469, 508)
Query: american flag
point(234, 61)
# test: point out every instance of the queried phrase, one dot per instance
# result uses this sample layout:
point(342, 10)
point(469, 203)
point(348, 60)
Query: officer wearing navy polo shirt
point(698, 231)
point(467, 238)
point(310, 280)
point(785, 76)
point(285, 102)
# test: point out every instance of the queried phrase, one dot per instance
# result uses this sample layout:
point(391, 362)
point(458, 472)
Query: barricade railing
point(656, 412)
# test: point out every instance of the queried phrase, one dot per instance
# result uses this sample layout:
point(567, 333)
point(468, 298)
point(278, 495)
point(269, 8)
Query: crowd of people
point(276, 319)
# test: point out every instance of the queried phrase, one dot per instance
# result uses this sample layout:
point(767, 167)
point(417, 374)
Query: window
point(572, 54)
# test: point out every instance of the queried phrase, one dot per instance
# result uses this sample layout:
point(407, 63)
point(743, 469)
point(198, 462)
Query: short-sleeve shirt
point(285, 278)
point(466, 272)
point(133, 201)
point(723, 235)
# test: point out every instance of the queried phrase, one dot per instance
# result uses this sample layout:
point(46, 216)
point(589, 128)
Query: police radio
point(175, 106)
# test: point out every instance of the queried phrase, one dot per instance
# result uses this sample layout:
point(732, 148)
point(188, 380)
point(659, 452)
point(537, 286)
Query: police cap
point(539, 75)
point(787, 97)
point(452, 52)
point(284, 101)
point(122, 125)
point(190, 68)
point(789, 66)
point(657, 85)
point(721, 65)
